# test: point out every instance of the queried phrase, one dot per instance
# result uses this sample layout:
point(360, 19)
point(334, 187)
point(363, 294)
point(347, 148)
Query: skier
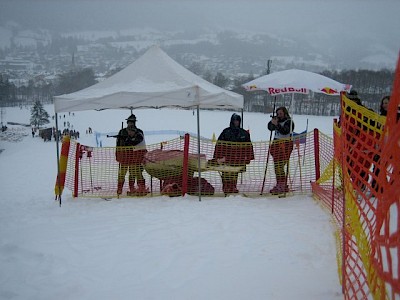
point(281, 147)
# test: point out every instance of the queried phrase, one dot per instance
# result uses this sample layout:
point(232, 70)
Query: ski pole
point(298, 161)
point(89, 155)
point(268, 152)
point(305, 144)
point(80, 167)
point(290, 141)
point(119, 163)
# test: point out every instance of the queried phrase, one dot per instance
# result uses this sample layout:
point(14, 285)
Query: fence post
point(185, 165)
point(76, 181)
point(334, 165)
point(316, 154)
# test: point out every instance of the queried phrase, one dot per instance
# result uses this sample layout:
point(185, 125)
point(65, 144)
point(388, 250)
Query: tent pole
point(241, 125)
point(198, 146)
point(58, 161)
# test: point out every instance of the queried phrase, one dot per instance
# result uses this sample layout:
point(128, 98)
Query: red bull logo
point(252, 87)
point(329, 91)
point(285, 90)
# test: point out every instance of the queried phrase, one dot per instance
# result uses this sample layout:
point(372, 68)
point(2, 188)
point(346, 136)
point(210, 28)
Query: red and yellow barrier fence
point(96, 175)
point(363, 194)
point(60, 181)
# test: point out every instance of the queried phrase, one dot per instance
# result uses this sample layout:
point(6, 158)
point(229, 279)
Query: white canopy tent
point(154, 80)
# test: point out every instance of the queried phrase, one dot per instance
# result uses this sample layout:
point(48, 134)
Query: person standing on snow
point(383, 112)
point(281, 147)
point(233, 148)
point(131, 148)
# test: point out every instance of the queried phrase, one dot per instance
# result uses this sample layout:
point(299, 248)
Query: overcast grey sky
point(322, 21)
point(280, 16)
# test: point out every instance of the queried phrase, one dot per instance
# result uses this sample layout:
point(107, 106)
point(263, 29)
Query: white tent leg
point(198, 149)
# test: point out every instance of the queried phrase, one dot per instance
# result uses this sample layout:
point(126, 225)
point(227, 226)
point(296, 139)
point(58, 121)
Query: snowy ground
point(155, 248)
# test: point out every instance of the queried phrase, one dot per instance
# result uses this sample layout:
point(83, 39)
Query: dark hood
point(233, 118)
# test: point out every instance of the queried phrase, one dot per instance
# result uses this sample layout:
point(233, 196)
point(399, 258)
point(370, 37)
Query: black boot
point(142, 190)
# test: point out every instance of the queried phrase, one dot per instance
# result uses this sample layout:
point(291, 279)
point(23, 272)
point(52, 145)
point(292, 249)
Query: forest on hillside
point(370, 85)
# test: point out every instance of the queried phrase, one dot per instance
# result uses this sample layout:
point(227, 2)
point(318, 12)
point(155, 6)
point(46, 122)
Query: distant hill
point(228, 51)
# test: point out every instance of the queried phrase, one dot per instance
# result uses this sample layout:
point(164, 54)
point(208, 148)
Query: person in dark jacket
point(131, 148)
point(281, 147)
point(383, 112)
point(384, 105)
point(233, 148)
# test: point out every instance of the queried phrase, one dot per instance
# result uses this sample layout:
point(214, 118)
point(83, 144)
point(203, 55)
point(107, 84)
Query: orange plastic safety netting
point(95, 171)
point(363, 193)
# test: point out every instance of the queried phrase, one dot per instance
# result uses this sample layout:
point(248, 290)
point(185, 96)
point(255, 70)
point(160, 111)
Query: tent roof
point(153, 80)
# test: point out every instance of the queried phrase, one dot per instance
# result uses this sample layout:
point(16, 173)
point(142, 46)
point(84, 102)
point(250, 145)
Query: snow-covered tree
point(39, 116)
point(220, 80)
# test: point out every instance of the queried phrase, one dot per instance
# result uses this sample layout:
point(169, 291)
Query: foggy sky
point(324, 21)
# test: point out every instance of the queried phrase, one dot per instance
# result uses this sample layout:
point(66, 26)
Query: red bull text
point(273, 91)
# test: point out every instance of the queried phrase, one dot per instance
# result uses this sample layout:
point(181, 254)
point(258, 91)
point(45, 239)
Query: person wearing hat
point(131, 148)
point(353, 95)
point(281, 148)
point(233, 148)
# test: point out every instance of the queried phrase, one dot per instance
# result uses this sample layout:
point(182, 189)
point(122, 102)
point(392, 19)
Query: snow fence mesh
point(93, 171)
point(361, 189)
